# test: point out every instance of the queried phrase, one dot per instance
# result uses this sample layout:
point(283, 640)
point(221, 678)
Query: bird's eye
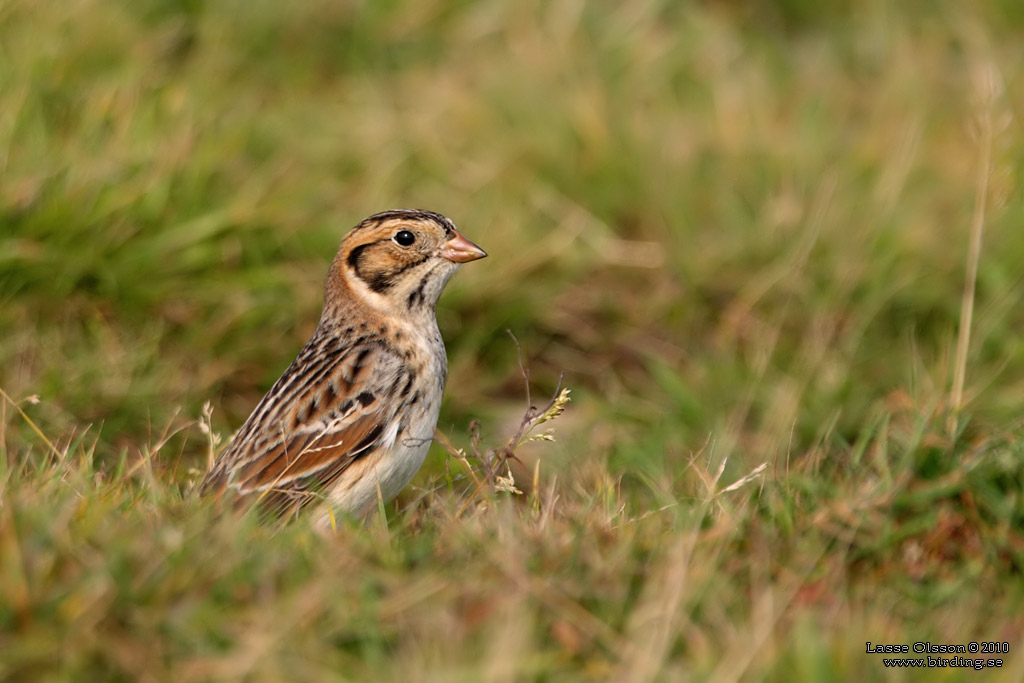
point(404, 238)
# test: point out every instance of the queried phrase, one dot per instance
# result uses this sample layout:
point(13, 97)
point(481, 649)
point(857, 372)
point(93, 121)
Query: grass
point(773, 246)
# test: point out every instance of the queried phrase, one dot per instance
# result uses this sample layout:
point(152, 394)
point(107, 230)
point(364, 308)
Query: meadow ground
point(742, 229)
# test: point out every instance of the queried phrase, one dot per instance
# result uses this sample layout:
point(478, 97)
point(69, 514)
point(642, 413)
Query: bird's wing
point(332, 407)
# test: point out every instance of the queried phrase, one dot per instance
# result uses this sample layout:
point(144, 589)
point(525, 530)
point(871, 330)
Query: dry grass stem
point(988, 90)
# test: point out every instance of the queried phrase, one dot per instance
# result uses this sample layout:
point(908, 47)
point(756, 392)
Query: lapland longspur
point(350, 421)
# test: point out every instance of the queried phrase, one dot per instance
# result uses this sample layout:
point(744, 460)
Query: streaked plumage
point(353, 416)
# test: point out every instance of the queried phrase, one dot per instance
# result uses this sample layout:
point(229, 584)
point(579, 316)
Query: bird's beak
point(460, 250)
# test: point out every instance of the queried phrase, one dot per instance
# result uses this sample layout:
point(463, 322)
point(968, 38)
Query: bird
point(349, 423)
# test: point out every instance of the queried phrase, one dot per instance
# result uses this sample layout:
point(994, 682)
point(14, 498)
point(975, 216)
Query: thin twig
point(525, 371)
point(493, 460)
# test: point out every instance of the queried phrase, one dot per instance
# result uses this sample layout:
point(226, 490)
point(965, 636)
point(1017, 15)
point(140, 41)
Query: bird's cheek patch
point(367, 264)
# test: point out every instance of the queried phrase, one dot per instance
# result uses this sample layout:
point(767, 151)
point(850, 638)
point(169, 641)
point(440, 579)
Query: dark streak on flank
point(363, 447)
point(407, 387)
point(360, 360)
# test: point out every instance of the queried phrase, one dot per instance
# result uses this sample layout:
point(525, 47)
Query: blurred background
point(743, 222)
point(740, 228)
